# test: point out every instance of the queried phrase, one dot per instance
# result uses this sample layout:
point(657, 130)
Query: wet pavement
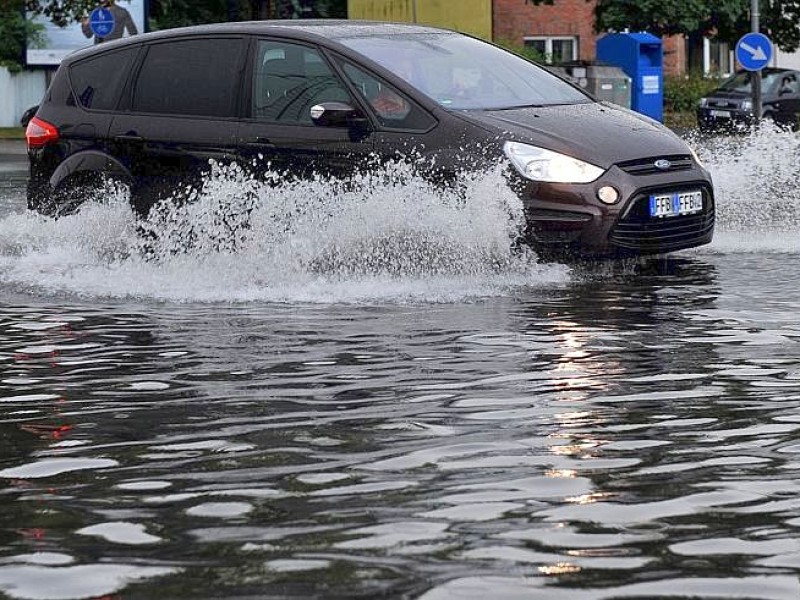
point(414, 419)
point(13, 156)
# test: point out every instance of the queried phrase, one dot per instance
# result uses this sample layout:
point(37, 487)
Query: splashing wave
point(389, 235)
point(758, 202)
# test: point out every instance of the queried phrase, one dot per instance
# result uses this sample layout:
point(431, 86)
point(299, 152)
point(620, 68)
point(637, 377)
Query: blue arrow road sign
point(754, 51)
point(101, 21)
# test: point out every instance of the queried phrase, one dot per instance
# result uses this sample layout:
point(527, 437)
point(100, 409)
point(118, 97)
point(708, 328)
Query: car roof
point(307, 29)
point(769, 70)
point(778, 70)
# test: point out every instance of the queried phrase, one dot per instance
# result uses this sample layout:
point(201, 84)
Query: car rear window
point(196, 77)
point(97, 81)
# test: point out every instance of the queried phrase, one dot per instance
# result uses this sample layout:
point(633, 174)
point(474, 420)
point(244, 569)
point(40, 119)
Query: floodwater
point(363, 393)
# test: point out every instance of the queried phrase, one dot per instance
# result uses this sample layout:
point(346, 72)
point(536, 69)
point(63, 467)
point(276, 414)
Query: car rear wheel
point(81, 187)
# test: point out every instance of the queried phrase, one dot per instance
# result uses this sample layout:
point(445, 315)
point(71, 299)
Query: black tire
point(74, 191)
point(706, 127)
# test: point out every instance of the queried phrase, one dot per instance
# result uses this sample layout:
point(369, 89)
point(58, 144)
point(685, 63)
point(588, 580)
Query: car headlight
point(539, 164)
point(696, 157)
point(703, 102)
point(747, 105)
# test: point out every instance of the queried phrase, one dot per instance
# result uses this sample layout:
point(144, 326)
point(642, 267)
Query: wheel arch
point(89, 161)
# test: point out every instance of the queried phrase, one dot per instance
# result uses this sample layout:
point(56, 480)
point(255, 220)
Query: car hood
point(598, 133)
point(729, 94)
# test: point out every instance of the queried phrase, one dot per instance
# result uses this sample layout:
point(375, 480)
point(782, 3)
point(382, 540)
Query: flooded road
point(362, 409)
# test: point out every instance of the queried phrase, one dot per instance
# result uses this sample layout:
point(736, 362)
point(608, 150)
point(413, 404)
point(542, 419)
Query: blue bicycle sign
point(102, 22)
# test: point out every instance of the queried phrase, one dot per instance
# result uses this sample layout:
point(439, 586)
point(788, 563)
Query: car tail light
point(40, 133)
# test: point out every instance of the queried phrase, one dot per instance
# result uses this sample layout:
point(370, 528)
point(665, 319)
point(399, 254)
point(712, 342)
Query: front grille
point(647, 166)
point(639, 231)
point(728, 104)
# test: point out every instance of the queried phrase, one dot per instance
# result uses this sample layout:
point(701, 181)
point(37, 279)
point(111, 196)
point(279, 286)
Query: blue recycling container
point(641, 56)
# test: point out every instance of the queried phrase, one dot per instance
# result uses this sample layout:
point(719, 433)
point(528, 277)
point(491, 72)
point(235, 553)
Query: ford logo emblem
point(662, 164)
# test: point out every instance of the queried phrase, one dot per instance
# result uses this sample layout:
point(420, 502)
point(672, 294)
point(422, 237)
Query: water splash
point(755, 178)
point(387, 235)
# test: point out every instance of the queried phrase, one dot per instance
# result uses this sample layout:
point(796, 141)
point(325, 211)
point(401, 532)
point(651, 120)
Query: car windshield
point(742, 81)
point(461, 72)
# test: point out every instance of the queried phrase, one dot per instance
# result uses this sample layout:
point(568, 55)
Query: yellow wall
point(470, 16)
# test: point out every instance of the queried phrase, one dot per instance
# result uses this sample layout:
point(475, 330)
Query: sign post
point(755, 27)
point(754, 51)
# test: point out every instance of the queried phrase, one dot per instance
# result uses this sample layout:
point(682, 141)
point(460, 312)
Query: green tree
point(166, 14)
point(15, 29)
point(724, 20)
point(176, 13)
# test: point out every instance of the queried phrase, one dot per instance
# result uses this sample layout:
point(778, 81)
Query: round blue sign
point(754, 51)
point(101, 21)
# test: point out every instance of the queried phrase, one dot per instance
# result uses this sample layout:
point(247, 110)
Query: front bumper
point(723, 118)
point(570, 216)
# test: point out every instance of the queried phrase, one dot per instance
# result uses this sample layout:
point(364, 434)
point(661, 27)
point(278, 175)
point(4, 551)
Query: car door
point(288, 78)
point(404, 129)
point(787, 105)
point(181, 113)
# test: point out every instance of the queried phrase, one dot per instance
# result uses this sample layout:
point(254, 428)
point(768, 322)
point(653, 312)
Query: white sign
point(60, 41)
point(651, 84)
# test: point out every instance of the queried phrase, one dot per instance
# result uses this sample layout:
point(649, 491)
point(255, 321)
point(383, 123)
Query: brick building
point(564, 31)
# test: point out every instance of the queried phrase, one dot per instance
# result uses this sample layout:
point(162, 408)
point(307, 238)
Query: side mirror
point(335, 114)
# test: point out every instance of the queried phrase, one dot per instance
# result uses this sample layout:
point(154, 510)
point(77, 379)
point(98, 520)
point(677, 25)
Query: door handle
point(128, 138)
point(261, 142)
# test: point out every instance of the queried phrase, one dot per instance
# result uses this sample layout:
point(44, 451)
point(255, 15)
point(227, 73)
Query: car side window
point(288, 79)
point(392, 108)
point(97, 82)
point(198, 77)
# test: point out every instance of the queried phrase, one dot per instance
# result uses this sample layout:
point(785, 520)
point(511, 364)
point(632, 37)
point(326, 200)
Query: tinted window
point(289, 79)
point(742, 81)
point(97, 82)
point(461, 72)
point(392, 108)
point(190, 77)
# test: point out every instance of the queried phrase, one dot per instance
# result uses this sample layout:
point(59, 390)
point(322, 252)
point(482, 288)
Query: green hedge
point(683, 92)
point(521, 49)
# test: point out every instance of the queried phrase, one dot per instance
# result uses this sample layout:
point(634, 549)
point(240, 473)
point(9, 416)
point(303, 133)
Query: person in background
point(122, 22)
point(787, 85)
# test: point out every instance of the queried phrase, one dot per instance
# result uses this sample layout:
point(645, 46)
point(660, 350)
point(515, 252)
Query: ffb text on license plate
point(676, 203)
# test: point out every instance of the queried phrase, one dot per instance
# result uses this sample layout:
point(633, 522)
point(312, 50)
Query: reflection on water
point(625, 436)
point(507, 428)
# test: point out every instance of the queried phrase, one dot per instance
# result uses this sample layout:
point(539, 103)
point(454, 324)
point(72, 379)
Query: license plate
point(676, 203)
point(720, 114)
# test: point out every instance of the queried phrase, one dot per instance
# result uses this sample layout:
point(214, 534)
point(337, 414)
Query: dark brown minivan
point(329, 96)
